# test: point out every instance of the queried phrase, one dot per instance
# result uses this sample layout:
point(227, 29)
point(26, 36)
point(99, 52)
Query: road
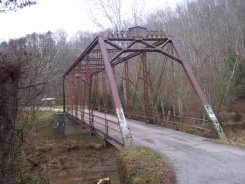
point(196, 160)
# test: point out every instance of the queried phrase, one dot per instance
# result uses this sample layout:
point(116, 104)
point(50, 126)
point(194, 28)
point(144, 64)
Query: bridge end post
point(127, 136)
point(197, 88)
point(125, 131)
point(215, 121)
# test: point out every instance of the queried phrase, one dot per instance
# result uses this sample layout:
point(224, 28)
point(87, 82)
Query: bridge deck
point(111, 134)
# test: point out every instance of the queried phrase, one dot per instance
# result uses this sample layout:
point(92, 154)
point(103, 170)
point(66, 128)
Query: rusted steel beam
point(64, 93)
point(90, 96)
point(142, 42)
point(132, 39)
point(109, 73)
point(126, 134)
point(114, 45)
point(137, 52)
point(128, 99)
point(197, 88)
point(82, 56)
point(159, 82)
point(118, 61)
point(161, 43)
point(76, 95)
point(81, 99)
point(145, 80)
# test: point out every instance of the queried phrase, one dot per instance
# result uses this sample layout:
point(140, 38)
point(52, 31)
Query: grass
point(143, 165)
point(58, 106)
point(44, 123)
point(79, 107)
point(239, 142)
point(44, 116)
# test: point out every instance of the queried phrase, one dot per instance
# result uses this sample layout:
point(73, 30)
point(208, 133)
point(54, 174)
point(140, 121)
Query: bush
point(237, 117)
point(223, 118)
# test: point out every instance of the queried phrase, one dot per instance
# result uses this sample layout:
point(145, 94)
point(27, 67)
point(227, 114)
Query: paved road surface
point(196, 160)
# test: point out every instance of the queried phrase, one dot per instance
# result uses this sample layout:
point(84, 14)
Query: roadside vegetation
point(143, 165)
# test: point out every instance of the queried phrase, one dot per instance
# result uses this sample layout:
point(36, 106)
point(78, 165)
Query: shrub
point(237, 117)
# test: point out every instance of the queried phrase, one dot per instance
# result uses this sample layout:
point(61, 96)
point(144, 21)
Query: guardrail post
point(106, 129)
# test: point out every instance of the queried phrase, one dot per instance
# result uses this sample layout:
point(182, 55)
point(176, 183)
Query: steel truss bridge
point(101, 86)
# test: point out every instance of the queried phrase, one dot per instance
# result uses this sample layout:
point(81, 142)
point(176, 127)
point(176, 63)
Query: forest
point(210, 32)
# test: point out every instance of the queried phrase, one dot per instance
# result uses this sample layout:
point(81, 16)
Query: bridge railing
point(187, 124)
point(104, 121)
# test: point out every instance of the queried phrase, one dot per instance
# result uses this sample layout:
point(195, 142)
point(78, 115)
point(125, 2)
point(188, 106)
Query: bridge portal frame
point(123, 46)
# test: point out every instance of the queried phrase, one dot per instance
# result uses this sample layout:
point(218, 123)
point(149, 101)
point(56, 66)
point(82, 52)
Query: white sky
point(70, 16)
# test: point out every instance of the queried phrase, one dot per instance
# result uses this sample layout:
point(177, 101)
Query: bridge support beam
point(126, 134)
point(198, 89)
point(147, 112)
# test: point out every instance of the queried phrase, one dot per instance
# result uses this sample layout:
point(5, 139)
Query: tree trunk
point(8, 112)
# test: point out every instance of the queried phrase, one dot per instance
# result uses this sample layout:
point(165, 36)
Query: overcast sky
point(70, 16)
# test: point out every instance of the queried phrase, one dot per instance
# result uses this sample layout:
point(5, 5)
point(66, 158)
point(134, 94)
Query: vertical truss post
point(80, 92)
point(97, 85)
point(64, 94)
point(104, 94)
point(76, 94)
point(84, 93)
point(68, 94)
point(174, 89)
point(81, 98)
point(90, 96)
point(128, 100)
point(146, 94)
point(126, 134)
point(72, 95)
point(198, 89)
point(96, 92)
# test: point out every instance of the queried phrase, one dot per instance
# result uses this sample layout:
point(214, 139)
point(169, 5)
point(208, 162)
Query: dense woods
point(211, 32)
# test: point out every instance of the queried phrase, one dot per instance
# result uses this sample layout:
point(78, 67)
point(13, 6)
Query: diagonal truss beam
point(197, 88)
point(126, 134)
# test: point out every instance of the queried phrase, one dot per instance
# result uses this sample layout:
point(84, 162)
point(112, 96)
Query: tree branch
point(30, 86)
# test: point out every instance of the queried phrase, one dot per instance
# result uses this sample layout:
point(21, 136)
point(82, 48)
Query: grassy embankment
point(143, 165)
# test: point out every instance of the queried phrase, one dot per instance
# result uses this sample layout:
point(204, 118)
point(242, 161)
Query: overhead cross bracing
point(100, 80)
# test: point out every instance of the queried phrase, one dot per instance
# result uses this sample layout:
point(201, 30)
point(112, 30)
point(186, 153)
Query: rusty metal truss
point(85, 80)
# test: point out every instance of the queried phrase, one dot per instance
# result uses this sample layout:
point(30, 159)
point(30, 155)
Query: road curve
point(195, 159)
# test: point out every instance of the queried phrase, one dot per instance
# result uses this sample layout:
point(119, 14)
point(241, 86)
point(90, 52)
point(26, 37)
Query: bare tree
point(11, 71)
point(116, 15)
point(13, 5)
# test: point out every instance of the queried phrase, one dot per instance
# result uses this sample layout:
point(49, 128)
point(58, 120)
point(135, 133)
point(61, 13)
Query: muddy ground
point(73, 159)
